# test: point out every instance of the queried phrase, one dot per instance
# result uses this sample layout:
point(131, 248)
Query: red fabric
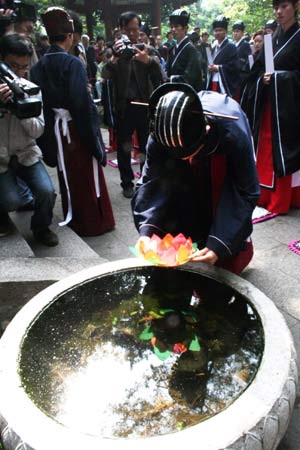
point(92, 216)
point(214, 86)
point(236, 264)
point(237, 96)
point(295, 201)
point(264, 162)
point(112, 140)
point(218, 172)
point(282, 196)
point(135, 145)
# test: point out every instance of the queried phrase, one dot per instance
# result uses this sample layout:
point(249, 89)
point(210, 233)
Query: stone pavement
point(26, 267)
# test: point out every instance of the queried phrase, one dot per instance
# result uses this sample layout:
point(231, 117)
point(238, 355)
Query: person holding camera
point(134, 73)
point(72, 139)
point(20, 157)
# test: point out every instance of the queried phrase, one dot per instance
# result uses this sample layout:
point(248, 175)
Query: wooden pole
point(107, 18)
point(156, 16)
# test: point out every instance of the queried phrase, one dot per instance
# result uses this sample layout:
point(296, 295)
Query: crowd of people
point(200, 173)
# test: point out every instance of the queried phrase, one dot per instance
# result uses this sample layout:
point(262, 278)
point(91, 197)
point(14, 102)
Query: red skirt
point(277, 194)
point(92, 216)
point(236, 264)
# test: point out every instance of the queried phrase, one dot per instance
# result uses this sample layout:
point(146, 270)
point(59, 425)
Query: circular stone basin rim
point(43, 433)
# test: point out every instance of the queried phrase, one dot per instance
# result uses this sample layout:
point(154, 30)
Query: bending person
point(199, 177)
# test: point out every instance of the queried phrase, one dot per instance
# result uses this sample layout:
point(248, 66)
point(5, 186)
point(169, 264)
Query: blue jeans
point(37, 179)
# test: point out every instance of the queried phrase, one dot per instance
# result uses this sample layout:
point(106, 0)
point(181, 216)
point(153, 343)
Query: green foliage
point(253, 12)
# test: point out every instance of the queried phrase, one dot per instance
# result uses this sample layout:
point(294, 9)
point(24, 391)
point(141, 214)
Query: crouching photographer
point(20, 157)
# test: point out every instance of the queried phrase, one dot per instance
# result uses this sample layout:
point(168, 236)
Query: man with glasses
point(20, 157)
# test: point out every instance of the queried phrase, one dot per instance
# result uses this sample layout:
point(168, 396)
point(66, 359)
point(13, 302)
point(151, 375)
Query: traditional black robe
point(229, 68)
point(184, 62)
point(284, 94)
point(210, 198)
point(64, 84)
point(243, 51)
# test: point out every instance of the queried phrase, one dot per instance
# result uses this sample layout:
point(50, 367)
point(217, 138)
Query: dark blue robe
point(243, 51)
point(284, 94)
point(229, 67)
point(63, 81)
point(184, 63)
point(178, 196)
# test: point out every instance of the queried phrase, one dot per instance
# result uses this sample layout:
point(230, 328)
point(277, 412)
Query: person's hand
point(117, 46)
point(142, 55)
point(213, 68)
point(267, 78)
point(6, 13)
point(205, 255)
point(5, 93)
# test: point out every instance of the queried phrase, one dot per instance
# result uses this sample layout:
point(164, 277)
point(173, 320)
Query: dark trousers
point(135, 118)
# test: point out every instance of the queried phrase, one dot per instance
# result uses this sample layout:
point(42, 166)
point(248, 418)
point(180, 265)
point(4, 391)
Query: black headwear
point(176, 119)
point(179, 17)
point(194, 37)
point(238, 25)
point(220, 22)
point(145, 29)
point(272, 24)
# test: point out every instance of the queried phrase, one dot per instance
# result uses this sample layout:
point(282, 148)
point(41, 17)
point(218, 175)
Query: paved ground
point(274, 269)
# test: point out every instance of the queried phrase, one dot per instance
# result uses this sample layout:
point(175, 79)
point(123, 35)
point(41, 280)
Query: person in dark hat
point(243, 51)
point(272, 104)
point(184, 61)
point(72, 139)
point(199, 177)
point(270, 26)
point(145, 33)
point(224, 69)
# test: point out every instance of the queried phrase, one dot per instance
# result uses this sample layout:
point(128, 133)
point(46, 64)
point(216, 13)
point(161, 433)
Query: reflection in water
point(141, 352)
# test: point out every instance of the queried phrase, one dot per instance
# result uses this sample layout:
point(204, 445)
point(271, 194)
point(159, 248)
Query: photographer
point(20, 157)
point(134, 74)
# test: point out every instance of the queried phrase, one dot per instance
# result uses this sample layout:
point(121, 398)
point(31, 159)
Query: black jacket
point(184, 63)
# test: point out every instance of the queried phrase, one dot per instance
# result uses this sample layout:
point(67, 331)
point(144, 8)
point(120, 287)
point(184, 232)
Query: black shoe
point(5, 225)
point(27, 207)
point(128, 192)
point(46, 237)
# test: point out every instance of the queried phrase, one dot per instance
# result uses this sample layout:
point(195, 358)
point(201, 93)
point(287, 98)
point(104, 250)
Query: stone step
point(43, 269)
point(14, 245)
point(70, 244)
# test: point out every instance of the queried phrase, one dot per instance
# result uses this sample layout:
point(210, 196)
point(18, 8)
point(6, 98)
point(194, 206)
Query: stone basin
point(221, 363)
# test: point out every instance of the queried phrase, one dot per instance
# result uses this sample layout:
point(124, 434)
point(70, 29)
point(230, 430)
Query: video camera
point(20, 104)
point(128, 49)
point(20, 9)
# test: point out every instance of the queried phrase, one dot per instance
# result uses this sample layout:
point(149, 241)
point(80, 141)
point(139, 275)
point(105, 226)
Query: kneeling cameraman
point(20, 157)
